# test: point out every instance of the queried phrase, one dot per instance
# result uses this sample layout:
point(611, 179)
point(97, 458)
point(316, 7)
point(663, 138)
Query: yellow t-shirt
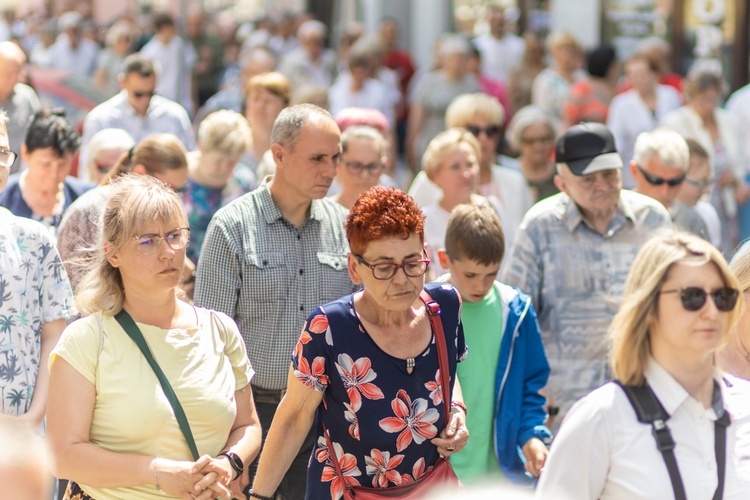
point(204, 365)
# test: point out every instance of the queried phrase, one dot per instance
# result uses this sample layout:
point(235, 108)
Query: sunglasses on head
point(694, 298)
point(489, 130)
point(655, 180)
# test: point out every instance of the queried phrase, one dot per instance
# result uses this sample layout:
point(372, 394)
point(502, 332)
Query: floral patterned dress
point(380, 418)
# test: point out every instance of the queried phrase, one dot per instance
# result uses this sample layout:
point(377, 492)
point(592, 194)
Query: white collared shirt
point(602, 451)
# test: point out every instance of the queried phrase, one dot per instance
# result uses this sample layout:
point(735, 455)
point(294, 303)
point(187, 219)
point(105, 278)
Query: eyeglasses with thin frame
point(357, 168)
point(7, 158)
point(386, 271)
point(700, 184)
point(529, 141)
point(490, 131)
point(694, 298)
point(148, 244)
point(655, 180)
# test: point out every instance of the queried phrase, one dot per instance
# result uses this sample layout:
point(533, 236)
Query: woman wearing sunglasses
point(113, 428)
point(735, 357)
point(679, 308)
point(365, 373)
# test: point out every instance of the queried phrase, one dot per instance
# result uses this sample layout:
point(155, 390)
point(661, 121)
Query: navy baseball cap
point(587, 148)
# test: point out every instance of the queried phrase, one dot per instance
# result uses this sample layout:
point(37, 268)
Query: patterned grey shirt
point(575, 277)
point(261, 270)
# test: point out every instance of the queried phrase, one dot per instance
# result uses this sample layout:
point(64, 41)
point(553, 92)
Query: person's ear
point(279, 154)
point(121, 80)
point(560, 183)
point(113, 259)
point(351, 265)
point(634, 169)
point(443, 258)
point(140, 170)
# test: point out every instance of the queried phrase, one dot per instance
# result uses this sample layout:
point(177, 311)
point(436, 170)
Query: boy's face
point(472, 279)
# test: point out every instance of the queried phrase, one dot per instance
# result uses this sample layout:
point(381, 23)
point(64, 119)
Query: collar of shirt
point(154, 107)
point(572, 216)
point(271, 212)
point(671, 394)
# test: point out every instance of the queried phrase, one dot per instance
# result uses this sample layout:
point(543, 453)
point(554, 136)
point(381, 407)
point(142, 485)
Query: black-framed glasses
point(655, 180)
point(694, 298)
point(386, 271)
point(490, 131)
point(700, 184)
point(7, 158)
point(141, 95)
point(356, 167)
point(148, 244)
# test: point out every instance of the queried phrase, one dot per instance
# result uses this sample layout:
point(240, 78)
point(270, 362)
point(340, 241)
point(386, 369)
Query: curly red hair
point(382, 212)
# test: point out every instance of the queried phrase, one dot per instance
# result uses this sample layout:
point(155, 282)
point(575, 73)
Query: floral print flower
point(436, 391)
point(417, 472)
point(382, 467)
point(313, 377)
point(349, 471)
point(357, 378)
point(414, 420)
point(351, 416)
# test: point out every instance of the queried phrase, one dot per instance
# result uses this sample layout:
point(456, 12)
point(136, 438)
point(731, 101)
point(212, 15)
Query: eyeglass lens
point(694, 298)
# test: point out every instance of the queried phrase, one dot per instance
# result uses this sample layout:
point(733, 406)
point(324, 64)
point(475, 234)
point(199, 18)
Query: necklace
point(410, 365)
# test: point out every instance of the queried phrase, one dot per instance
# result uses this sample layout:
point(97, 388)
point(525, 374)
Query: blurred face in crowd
point(102, 163)
point(361, 165)
point(641, 76)
point(697, 181)
point(488, 135)
point(46, 170)
point(12, 61)
point(139, 90)
point(595, 194)
point(705, 103)
point(454, 64)
point(536, 144)
point(263, 107)
point(388, 33)
point(458, 173)
point(568, 57)
point(218, 166)
point(653, 179)
point(313, 44)
point(497, 23)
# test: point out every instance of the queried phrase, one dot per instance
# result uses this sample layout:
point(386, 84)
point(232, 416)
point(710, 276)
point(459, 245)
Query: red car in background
point(58, 89)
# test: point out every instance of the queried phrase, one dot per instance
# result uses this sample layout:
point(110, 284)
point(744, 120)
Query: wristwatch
point(235, 461)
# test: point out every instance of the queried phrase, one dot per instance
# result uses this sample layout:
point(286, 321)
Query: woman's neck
point(162, 311)
point(537, 172)
point(387, 321)
point(448, 204)
point(695, 376)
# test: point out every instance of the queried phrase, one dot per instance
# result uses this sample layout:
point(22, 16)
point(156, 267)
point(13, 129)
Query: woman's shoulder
point(443, 293)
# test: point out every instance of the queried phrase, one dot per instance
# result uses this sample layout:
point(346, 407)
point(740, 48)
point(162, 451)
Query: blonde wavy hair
point(630, 328)
point(432, 159)
point(134, 202)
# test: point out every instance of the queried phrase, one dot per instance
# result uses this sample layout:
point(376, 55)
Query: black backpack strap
point(649, 410)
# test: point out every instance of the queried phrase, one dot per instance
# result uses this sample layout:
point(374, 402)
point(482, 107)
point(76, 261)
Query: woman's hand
point(217, 475)
point(535, 452)
point(177, 478)
point(454, 436)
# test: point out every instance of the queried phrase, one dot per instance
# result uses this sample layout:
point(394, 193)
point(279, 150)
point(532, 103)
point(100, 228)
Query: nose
point(709, 309)
point(400, 276)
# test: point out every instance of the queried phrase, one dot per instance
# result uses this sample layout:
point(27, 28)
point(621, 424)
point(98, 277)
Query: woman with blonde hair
point(159, 155)
point(267, 94)
point(451, 162)
point(735, 357)
point(679, 308)
point(141, 351)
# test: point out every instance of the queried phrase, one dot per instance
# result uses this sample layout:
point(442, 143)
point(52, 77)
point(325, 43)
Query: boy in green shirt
point(507, 367)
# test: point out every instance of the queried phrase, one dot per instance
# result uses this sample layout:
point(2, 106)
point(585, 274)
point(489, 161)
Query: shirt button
point(301, 272)
point(299, 236)
point(301, 308)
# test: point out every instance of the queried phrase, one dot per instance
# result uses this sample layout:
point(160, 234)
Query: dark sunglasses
point(700, 184)
point(655, 180)
point(141, 95)
point(490, 130)
point(694, 298)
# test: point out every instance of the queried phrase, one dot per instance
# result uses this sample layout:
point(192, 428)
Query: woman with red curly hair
point(365, 371)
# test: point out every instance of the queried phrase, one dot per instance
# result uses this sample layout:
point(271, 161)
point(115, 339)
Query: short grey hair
point(290, 121)
point(311, 27)
point(524, 118)
point(667, 145)
point(363, 132)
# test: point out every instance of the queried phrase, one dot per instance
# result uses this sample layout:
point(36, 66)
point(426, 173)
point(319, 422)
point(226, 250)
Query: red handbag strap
point(433, 313)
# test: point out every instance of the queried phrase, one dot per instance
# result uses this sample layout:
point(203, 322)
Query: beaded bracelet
point(156, 477)
point(251, 494)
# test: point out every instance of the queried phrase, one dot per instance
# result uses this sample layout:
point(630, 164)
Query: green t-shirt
point(483, 331)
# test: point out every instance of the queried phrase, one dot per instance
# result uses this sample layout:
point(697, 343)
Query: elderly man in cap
point(572, 254)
